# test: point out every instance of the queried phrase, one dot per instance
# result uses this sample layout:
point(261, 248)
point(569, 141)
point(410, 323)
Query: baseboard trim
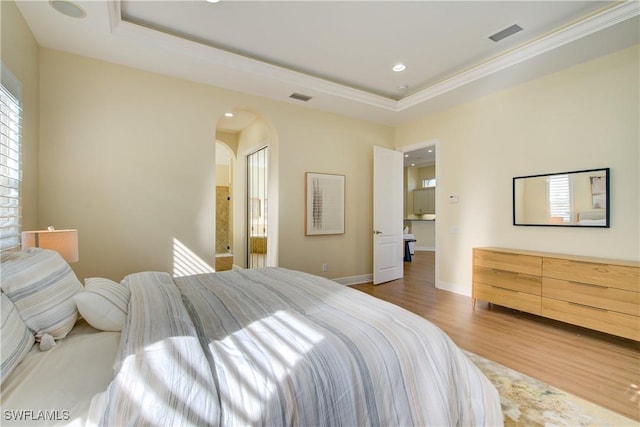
point(425, 248)
point(454, 287)
point(354, 280)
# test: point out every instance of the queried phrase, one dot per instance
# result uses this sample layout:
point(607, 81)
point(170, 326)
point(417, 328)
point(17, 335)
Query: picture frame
point(324, 208)
point(598, 192)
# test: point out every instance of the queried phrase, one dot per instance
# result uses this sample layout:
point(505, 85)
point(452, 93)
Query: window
point(427, 183)
point(559, 196)
point(10, 161)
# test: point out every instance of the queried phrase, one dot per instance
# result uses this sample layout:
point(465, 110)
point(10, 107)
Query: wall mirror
point(569, 199)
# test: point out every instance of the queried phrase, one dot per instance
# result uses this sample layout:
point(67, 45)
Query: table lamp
point(65, 242)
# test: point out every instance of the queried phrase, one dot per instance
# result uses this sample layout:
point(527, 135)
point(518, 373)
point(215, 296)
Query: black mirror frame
point(607, 201)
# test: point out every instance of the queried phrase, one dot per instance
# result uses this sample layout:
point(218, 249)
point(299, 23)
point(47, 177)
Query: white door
point(387, 215)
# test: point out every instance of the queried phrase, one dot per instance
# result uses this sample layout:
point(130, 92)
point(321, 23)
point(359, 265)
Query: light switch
point(453, 199)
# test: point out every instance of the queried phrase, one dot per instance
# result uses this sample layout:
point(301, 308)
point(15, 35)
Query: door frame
point(435, 142)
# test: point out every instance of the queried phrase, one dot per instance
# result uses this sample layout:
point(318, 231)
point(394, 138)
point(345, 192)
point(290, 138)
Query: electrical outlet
point(325, 267)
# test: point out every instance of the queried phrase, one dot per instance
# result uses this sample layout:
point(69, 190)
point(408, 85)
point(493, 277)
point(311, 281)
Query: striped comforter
point(278, 347)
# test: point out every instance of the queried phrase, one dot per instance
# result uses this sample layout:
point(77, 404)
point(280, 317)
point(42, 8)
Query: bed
point(592, 218)
point(267, 346)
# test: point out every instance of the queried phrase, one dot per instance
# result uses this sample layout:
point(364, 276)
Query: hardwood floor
point(598, 367)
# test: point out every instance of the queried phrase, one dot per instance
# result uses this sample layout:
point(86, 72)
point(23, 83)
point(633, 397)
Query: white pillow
point(41, 285)
point(15, 338)
point(103, 303)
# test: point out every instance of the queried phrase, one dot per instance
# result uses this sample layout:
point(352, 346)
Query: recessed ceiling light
point(212, 1)
point(228, 114)
point(406, 155)
point(413, 164)
point(68, 8)
point(399, 67)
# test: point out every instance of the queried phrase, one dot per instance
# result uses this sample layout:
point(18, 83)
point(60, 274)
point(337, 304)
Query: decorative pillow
point(103, 303)
point(41, 285)
point(15, 338)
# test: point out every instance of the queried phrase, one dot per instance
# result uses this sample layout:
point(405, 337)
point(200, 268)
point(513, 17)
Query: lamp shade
point(65, 242)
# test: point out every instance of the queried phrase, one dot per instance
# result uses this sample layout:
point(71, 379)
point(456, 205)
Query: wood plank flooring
point(597, 367)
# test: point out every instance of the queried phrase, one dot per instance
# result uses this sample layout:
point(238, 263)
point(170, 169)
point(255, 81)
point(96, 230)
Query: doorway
point(420, 195)
point(224, 210)
point(257, 221)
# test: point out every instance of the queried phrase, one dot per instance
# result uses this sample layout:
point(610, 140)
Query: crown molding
point(568, 34)
point(264, 70)
point(314, 85)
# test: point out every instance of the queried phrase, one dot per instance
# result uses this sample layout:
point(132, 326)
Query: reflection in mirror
point(574, 199)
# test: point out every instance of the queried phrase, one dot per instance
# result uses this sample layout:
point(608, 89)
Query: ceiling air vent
point(500, 35)
point(300, 97)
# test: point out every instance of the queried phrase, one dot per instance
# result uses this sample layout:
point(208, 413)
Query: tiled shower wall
point(222, 220)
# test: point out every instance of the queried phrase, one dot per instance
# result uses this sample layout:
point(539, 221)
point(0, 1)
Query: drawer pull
point(587, 306)
point(587, 284)
point(510, 273)
point(507, 289)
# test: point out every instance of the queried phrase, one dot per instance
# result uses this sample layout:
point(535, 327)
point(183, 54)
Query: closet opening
point(257, 221)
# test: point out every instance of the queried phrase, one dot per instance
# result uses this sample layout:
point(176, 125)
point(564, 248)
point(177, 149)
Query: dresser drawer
point(519, 263)
point(507, 298)
point(592, 295)
point(507, 279)
point(610, 322)
point(612, 276)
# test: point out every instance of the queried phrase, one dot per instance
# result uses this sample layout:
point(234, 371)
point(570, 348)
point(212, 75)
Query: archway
point(244, 131)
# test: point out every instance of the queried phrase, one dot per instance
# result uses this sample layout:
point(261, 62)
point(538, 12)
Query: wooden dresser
point(595, 293)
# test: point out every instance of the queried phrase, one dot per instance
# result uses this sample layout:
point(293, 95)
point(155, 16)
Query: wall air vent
point(500, 35)
point(300, 97)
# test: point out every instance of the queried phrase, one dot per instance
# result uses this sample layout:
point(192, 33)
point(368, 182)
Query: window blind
point(10, 169)
point(559, 197)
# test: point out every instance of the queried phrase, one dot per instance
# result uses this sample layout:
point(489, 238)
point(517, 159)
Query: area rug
point(528, 402)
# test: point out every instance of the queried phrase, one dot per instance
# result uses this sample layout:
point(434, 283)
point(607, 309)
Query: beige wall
point(229, 139)
point(426, 172)
point(222, 175)
point(127, 158)
point(130, 163)
point(584, 117)
point(20, 54)
point(332, 144)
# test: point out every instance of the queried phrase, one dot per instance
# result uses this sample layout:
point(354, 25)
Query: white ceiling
point(425, 156)
point(341, 52)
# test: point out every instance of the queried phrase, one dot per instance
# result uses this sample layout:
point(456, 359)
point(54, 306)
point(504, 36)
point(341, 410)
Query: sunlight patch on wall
point(185, 262)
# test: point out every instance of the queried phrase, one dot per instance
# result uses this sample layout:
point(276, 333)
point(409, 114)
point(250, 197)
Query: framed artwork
point(599, 192)
point(324, 211)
